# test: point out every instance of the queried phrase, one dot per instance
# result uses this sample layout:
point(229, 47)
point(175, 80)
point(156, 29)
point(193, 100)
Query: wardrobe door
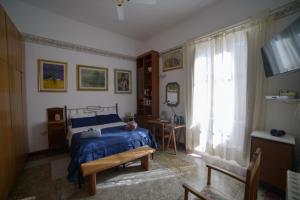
point(17, 94)
point(12, 49)
point(3, 41)
point(19, 46)
point(25, 135)
point(6, 153)
point(13, 137)
point(12, 64)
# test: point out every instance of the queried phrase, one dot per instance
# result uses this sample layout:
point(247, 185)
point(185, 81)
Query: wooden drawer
point(276, 159)
point(56, 136)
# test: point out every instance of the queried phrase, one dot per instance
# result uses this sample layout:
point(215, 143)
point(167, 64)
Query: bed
point(114, 138)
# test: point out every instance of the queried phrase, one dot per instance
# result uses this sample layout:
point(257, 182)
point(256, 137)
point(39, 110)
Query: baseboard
point(45, 153)
point(38, 153)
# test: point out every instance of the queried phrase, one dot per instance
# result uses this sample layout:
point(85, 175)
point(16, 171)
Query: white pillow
point(80, 114)
point(106, 112)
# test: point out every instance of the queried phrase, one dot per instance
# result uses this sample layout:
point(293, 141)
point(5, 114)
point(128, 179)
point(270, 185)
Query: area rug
point(159, 183)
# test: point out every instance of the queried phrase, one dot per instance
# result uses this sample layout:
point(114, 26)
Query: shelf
point(283, 99)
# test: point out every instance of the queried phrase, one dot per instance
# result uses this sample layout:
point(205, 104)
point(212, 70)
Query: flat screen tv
point(282, 53)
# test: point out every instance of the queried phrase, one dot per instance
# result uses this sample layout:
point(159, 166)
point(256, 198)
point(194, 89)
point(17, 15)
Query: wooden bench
point(92, 168)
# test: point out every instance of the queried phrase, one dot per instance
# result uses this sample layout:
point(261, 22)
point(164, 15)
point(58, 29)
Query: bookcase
point(147, 87)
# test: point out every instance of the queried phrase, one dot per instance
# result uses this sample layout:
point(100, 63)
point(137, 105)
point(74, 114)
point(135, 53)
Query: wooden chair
point(251, 181)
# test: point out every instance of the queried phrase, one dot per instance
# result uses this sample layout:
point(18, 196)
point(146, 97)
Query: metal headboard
point(88, 109)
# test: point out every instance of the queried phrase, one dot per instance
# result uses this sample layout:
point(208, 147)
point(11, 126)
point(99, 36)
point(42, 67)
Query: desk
point(173, 128)
point(166, 125)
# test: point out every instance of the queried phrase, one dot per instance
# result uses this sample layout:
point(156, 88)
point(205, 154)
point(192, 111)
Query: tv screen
point(282, 53)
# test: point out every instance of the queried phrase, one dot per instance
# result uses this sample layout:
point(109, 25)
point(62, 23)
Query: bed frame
point(88, 109)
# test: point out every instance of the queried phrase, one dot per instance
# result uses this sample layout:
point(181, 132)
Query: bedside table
point(56, 129)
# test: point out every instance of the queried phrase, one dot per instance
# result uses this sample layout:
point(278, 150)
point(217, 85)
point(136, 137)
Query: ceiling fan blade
point(150, 2)
point(120, 10)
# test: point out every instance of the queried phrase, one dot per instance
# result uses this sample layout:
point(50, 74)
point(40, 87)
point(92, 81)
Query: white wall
point(36, 21)
point(215, 17)
point(218, 16)
point(38, 102)
point(33, 20)
point(282, 115)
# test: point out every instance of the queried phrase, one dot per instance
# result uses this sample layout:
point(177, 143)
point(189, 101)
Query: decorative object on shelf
point(57, 117)
point(90, 78)
point(172, 94)
point(123, 83)
point(288, 94)
point(52, 76)
point(172, 59)
point(172, 119)
point(179, 120)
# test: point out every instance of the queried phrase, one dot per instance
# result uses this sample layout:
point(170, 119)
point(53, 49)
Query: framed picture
point(172, 59)
point(123, 83)
point(52, 76)
point(90, 78)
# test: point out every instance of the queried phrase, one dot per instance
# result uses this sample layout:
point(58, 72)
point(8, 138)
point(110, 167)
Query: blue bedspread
point(113, 140)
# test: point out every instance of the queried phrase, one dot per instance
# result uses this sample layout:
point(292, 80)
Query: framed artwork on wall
point(172, 60)
point(52, 76)
point(90, 78)
point(123, 82)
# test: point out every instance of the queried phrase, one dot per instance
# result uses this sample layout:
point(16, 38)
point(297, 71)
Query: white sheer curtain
point(192, 132)
point(219, 95)
point(225, 90)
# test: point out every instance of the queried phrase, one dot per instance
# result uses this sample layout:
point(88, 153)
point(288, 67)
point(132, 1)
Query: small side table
point(173, 128)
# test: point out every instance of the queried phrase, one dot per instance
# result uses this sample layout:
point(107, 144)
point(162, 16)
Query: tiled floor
point(44, 178)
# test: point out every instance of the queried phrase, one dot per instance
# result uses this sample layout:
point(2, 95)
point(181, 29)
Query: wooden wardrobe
point(13, 130)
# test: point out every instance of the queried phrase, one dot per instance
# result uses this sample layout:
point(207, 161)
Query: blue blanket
point(112, 141)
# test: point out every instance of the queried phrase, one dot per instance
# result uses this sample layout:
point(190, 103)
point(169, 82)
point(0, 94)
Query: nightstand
point(56, 129)
point(277, 156)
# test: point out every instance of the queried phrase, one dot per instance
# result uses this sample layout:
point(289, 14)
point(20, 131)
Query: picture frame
point(52, 76)
point(172, 60)
point(92, 78)
point(123, 81)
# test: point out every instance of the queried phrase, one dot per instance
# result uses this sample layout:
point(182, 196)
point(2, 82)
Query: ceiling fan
point(120, 6)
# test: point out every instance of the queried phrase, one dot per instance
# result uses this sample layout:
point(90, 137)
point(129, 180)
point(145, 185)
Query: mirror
point(172, 94)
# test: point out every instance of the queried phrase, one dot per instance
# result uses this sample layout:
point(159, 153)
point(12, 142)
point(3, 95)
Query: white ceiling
point(141, 21)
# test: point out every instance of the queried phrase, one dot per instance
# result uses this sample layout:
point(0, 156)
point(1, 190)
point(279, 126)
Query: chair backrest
point(253, 175)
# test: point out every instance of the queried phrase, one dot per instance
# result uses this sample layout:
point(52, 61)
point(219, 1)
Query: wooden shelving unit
point(147, 87)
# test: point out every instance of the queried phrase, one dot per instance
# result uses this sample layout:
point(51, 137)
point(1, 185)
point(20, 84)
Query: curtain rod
point(277, 13)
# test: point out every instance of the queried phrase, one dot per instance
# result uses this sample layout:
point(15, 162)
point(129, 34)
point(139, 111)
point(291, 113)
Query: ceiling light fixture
point(120, 7)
